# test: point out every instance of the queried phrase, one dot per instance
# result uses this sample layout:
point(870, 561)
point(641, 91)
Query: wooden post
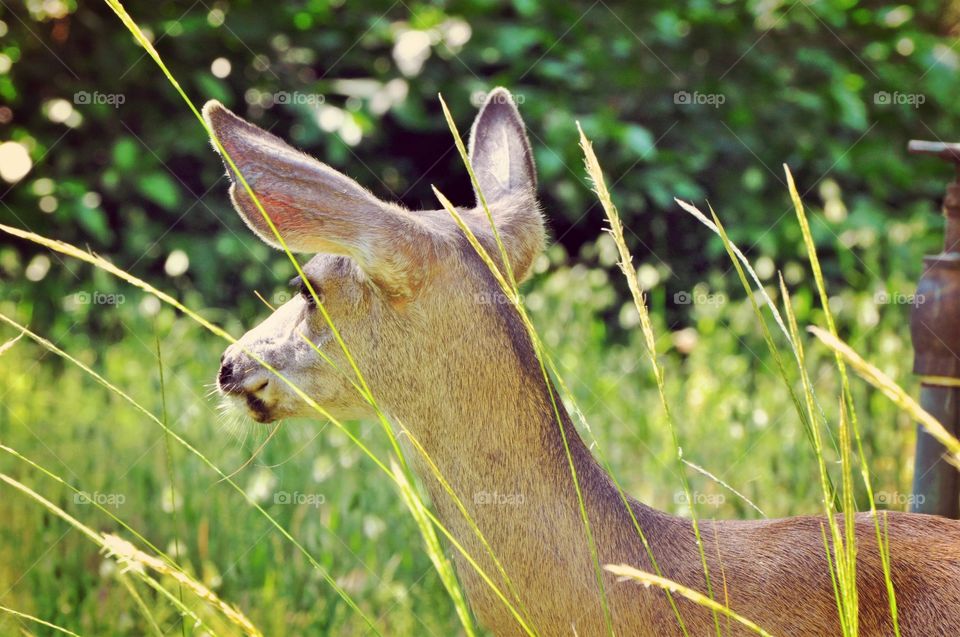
point(935, 331)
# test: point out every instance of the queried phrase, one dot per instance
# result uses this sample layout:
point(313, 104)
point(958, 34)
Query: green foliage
point(692, 100)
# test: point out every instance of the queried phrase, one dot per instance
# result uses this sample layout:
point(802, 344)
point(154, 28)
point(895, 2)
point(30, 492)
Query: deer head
point(401, 287)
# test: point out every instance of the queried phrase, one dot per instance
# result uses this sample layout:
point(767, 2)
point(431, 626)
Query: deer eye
point(298, 284)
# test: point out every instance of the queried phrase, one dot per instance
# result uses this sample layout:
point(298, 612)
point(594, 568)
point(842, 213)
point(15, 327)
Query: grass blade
point(142, 606)
point(848, 410)
point(891, 390)
point(440, 562)
point(639, 302)
point(39, 621)
point(649, 579)
point(169, 465)
point(136, 561)
point(10, 343)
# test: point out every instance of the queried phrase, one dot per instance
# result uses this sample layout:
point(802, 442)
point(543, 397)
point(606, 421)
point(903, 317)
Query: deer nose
point(225, 377)
point(239, 379)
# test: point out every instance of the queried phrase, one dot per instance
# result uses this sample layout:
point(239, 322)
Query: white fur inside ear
point(499, 150)
point(499, 161)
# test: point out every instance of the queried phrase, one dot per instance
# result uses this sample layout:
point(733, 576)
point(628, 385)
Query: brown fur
point(452, 363)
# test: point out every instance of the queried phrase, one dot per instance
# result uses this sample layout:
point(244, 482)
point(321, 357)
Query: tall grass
point(840, 541)
point(38, 621)
point(170, 476)
point(138, 562)
point(889, 388)
point(812, 411)
point(116, 390)
point(842, 556)
point(639, 301)
point(648, 579)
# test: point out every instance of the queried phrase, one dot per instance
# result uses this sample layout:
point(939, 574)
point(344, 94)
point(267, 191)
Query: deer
point(410, 297)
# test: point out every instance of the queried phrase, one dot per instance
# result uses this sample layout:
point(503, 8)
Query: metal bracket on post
point(935, 331)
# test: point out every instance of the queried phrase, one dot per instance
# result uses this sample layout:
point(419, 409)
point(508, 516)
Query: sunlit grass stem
point(626, 267)
point(136, 561)
point(848, 411)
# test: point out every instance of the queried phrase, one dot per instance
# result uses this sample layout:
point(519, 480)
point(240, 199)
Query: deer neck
point(505, 448)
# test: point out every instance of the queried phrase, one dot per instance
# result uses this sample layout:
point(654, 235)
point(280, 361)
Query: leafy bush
point(696, 100)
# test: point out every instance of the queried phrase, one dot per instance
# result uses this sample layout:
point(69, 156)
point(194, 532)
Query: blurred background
point(698, 100)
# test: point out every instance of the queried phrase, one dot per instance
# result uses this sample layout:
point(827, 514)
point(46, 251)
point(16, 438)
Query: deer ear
point(503, 163)
point(499, 150)
point(315, 208)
